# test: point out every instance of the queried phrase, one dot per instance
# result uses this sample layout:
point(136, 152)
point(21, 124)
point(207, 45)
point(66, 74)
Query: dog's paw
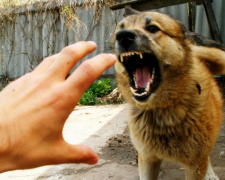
point(211, 177)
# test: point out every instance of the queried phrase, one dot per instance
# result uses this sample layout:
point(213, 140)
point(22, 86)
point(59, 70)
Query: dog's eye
point(122, 25)
point(152, 29)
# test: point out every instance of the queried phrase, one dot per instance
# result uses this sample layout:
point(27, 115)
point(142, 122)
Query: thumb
point(81, 154)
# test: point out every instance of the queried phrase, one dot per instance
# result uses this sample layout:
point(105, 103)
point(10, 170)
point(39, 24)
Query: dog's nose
point(125, 37)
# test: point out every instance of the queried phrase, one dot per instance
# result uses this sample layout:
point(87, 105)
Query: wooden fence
point(27, 35)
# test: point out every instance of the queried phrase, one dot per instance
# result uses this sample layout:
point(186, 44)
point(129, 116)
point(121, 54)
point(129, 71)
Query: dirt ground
point(121, 149)
point(104, 128)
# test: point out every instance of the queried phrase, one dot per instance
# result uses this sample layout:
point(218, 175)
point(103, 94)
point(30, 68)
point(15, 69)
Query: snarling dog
point(175, 104)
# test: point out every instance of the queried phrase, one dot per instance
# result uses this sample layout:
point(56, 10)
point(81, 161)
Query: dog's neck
point(166, 117)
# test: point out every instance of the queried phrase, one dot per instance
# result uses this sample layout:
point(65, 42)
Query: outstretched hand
point(34, 108)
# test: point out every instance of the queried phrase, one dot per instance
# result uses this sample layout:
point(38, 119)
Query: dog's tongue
point(142, 76)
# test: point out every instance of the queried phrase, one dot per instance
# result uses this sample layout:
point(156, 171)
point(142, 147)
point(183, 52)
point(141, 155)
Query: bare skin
point(34, 108)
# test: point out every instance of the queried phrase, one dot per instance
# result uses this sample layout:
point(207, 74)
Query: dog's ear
point(210, 52)
point(213, 58)
point(130, 11)
point(199, 40)
point(183, 29)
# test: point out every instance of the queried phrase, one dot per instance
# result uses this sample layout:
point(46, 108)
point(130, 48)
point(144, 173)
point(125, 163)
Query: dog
point(175, 105)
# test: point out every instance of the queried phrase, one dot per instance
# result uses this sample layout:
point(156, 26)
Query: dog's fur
point(179, 119)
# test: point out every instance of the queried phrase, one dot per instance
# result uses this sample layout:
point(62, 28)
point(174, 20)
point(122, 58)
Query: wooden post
point(191, 16)
point(214, 29)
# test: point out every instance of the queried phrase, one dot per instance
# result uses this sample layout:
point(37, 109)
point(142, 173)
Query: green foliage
point(96, 90)
point(101, 88)
point(88, 98)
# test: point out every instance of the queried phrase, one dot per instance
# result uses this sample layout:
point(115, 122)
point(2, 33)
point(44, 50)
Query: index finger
point(69, 56)
point(88, 72)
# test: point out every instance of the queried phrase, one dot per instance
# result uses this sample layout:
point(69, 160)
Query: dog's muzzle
point(142, 67)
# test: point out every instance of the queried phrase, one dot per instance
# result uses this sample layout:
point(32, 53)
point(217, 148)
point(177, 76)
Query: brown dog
point(175, 104)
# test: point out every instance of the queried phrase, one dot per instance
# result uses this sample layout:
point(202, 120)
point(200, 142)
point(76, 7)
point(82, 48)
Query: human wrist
point(8, 159)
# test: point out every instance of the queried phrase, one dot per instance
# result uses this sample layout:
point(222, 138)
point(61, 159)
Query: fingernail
point(92, 161)
point(113, 55)
point(92, 43)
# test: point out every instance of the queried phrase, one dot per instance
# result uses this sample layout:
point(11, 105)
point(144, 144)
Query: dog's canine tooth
point(147, 87)
point(153, 73)
point(133, 90)
point(140, 54)
point(135, 84)
point(121, 57)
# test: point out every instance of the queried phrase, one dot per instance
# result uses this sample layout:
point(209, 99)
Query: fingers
point(61, 153)
point(88, 72)
point(69, 56)
point(67, 153)
point(45, 64)
point(81, 154)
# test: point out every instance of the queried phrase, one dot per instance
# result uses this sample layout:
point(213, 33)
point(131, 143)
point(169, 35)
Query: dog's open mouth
point(144, 73)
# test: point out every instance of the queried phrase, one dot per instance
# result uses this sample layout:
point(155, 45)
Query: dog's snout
point(125, 37)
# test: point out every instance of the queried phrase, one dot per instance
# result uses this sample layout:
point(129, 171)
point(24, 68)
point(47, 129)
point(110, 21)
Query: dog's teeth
point(125, 54)
point(121, 58)
point(135, 84)
point(147, 87)
point(135, 81)
point(140, 54)
point(142, 94)
point(153, 73)
point(130, 53)
point(133, 90)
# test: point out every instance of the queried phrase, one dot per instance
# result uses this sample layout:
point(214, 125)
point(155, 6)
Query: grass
point(96, 91)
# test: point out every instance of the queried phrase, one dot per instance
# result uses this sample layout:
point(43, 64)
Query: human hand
point(34, 108)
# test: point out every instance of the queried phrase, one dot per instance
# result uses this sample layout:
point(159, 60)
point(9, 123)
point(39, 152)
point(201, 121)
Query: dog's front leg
point(210, 175)
point(202, 170)
point(148, 167)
